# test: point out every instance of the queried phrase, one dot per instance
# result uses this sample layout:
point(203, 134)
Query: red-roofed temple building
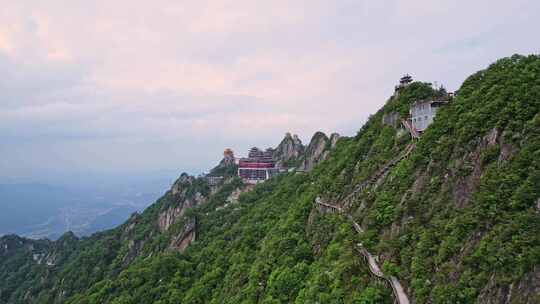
point(257, 167)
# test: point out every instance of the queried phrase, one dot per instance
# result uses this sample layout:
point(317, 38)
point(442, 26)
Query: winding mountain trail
point(397, 289)
point(351, 197)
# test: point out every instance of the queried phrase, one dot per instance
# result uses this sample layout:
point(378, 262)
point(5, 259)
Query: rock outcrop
point(291, 153)
point(318, 150)
point(334, 137)
point(181, 183)
point(226, 166)
point(168, 217)
point(526, 290)
point(469, 168)
point(185, 198)
point(289, 150)
point(186, 237)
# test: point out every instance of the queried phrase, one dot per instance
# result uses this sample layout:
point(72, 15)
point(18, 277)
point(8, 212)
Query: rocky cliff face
point(292, 153)
point(186, 193)
point(289, 150)
point(318, 149)
point(526, 290)
point(334, 137)
point(185, 199)
point(182, 240)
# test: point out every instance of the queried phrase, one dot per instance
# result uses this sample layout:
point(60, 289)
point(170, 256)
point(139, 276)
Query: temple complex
point(421, 112)
point(257, 167)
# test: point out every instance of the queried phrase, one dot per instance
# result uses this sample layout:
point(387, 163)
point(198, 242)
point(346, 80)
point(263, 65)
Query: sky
point(147, 88)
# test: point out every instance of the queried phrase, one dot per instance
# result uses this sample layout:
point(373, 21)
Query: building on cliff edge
point(257, 167)
point(422, 112)
point(404, 82)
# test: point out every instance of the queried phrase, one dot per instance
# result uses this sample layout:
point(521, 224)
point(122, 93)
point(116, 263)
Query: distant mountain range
point(43, 211)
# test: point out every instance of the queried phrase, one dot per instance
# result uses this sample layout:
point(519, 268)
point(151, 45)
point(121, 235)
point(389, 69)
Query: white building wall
point(422, 115)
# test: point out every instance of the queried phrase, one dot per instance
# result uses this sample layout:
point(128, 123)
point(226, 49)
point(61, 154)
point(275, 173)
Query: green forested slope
point(456, 222)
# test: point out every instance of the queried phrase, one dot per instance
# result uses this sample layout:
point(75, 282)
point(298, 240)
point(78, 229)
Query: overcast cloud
point(129, 87)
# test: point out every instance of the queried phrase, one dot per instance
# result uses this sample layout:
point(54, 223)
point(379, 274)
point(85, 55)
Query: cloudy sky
point(133, 87)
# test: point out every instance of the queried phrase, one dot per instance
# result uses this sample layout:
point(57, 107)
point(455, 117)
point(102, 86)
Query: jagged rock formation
point(186, 199)
point(181, 184)
point(318, 149)
point(168, 217)
point(288, 151)
point(291, 153)
point(188, 234)
point(225, 165)
point(527, 290)
point(334, 137)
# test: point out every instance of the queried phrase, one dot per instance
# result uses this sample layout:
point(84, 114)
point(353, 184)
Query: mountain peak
point(289, 149)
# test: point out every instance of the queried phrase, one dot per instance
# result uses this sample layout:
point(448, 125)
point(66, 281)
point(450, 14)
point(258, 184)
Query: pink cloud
point(232, 72)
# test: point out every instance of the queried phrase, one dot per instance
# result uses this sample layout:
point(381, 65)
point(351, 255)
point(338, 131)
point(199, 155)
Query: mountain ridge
point(455, 221)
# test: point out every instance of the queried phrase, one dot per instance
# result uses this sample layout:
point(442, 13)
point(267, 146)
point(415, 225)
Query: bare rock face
point(169, 216)
point(507, 149)
point(470, 169)
point(290, 148)
point(134, 248)
point(526, 290)
point(292, 153)
point(184, 200)
point(318, 150)
point(334, 137)
point(186, 241)
point(185, 194)
point(182, 241)
point(182, 183)
point(128, 234)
